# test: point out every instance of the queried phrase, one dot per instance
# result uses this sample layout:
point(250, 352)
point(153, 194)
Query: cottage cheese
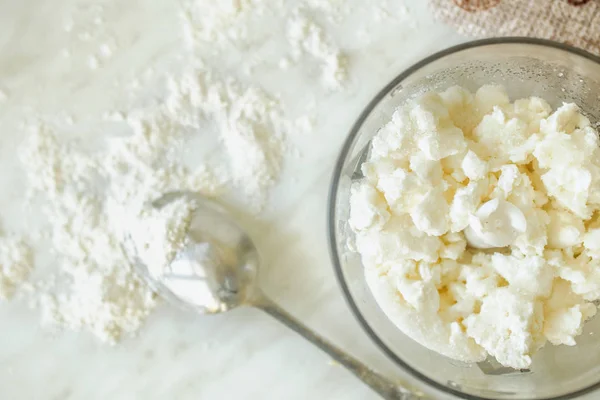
point(454, 172)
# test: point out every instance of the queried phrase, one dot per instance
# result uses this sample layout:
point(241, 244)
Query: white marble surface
point(243, 354)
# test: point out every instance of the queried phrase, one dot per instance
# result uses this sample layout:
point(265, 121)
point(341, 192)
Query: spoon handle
point(387, 388)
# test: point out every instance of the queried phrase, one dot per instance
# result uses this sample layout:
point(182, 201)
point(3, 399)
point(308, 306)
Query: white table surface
point(243, 354)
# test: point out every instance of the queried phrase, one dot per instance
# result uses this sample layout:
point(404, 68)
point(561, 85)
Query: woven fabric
point(576, 22)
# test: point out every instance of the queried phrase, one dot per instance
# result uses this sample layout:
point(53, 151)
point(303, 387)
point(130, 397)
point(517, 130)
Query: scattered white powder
point(16, 263)
point(225, 23)
point(219, 22)
point(307, 37)
point(91, 197)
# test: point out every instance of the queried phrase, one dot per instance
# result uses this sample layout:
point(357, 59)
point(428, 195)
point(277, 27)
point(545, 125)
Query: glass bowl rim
point(331, 223)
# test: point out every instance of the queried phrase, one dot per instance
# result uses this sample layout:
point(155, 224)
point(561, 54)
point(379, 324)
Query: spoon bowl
point(227, 271)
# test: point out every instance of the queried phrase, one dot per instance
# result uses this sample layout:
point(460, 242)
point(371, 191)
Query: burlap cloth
point(576, 22)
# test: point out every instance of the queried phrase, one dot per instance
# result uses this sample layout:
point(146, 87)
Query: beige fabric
point(576, 22)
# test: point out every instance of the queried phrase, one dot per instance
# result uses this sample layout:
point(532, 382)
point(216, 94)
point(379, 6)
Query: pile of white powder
point(90, 197)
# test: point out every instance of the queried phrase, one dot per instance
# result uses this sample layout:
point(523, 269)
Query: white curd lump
point(476, 222)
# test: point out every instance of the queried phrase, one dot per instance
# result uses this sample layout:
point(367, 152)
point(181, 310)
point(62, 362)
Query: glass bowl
point(526, 67)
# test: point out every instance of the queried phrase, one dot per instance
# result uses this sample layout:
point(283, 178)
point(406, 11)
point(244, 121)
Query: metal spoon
point(232, 281)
